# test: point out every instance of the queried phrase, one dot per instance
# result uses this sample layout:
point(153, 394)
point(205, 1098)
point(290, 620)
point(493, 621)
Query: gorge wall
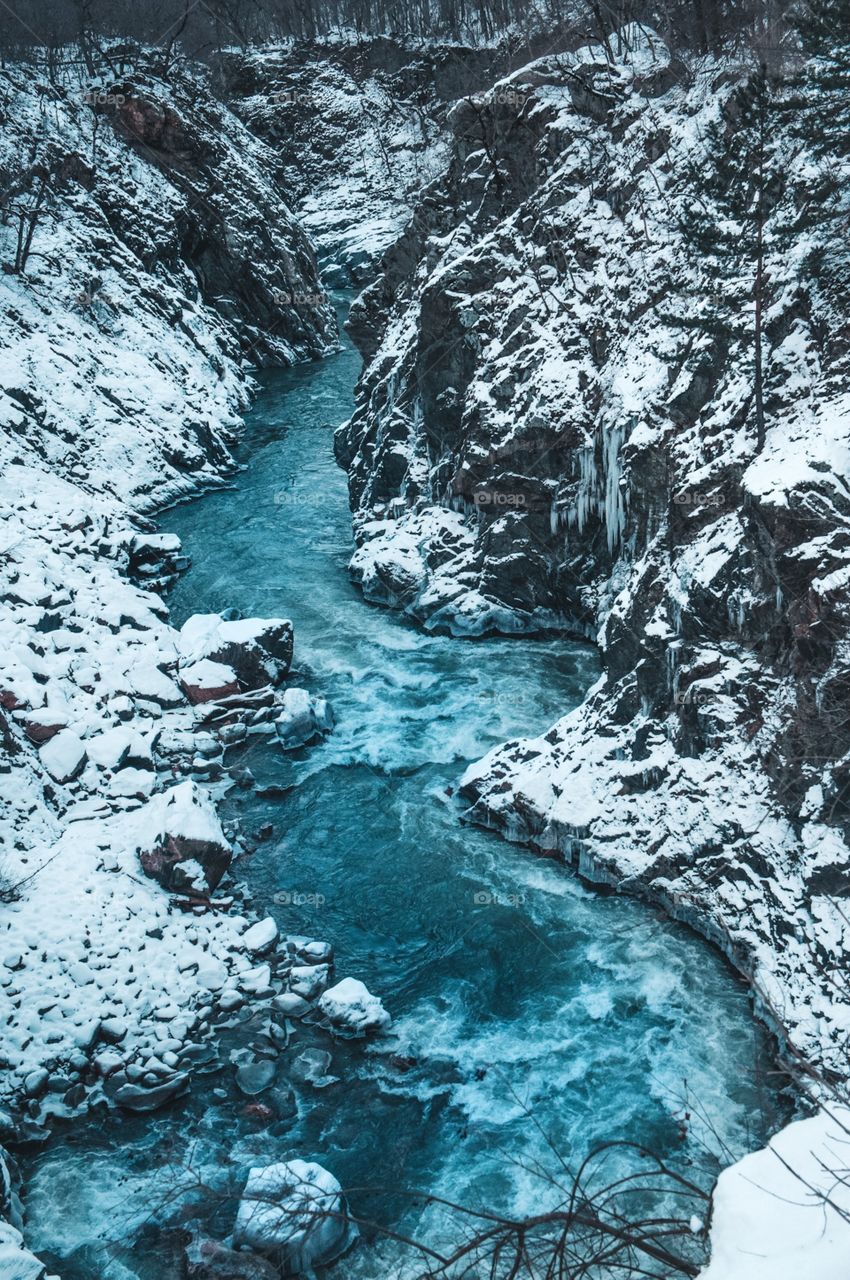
point(556, 428)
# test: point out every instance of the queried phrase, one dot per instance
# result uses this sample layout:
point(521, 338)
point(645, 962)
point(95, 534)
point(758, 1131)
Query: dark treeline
point(202, 27)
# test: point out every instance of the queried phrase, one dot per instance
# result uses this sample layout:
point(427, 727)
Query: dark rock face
point(544, 434)
point(235, 234)
point(358, 129)
point(163, 861)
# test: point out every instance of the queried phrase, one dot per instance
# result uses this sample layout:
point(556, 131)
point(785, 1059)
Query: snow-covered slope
point(158, 255)
point(359, 126)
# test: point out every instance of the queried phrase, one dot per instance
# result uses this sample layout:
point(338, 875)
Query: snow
point(295, 1209)
point(784, 1212)
point(351, 1007)
point(261, 937)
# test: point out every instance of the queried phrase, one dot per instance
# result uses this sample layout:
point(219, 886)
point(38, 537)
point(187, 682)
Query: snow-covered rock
point(350, 1007)
point(257, 650)
point(302, 719)
point(294, 1211)
point(261, 936)
point(182, 825)
point(64, 756)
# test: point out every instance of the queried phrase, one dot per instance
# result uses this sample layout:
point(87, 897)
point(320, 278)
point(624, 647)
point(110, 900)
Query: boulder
point(257, 650)
point(295, 1212)
point(64, 756)
point(16, 1262)
point(309, 980)
point(43, 724)
point(181, 825)
point(261, 937)
point(207, 681)
point(351, 1008)
point(136, 1097)
point(155, 555)
point(302, 719)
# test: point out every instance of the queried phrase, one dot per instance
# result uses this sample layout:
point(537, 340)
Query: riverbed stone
point(254, 1077)
point(296, 1212)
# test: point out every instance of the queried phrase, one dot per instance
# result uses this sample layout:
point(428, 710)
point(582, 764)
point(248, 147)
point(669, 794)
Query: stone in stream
point(312, 1067)
point(351, 1008)
point(309, 980)
point(295, 1212)
point(257, 650)
point(291, 1005)
point(134, 1097)
point(302, 719)
point(254, 1077)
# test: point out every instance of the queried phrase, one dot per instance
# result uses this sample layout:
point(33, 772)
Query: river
point(533, 1017)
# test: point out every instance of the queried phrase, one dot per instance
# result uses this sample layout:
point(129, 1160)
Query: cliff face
point(557, 427)
point(359, 127)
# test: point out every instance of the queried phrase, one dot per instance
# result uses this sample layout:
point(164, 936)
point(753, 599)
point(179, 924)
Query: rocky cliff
point(558, 427)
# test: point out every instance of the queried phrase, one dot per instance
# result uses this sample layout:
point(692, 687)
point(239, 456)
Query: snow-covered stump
point(294, 1212)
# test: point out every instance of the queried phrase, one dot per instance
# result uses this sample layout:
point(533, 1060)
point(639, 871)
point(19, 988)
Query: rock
point(350, 1007)
point(302, 719)
point(256, 981)
point(254, 1077)
point(135, 1097)
point(261, 937)
point(294, 1211)
point(43, 724)
point(74, 1096)
point(182, 825)
point(291, 1005)
point(311, 950)
point(212, 973)
point(118, 747)
point(309, 981)
point(35, 1083)
point(257, 650)
point(64, 756)
point(155, 556)
point(207, 681)
point(113, 1030)
point(312, 1066)
point(138, 783)
point(16, 1262)
point(211, 1260)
